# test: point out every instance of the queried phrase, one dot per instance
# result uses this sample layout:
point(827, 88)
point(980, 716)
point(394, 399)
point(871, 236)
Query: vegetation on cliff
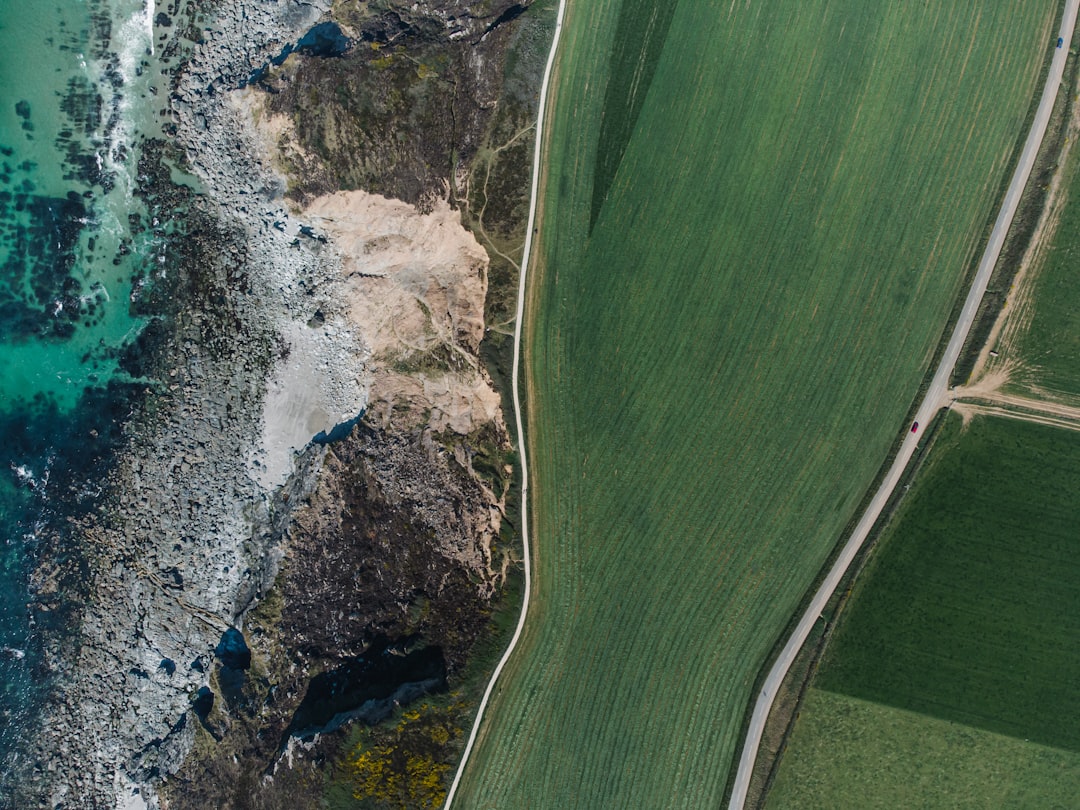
point(401, 575)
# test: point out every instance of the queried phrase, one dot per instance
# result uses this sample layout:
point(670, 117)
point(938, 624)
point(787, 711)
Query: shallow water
point(77, 82)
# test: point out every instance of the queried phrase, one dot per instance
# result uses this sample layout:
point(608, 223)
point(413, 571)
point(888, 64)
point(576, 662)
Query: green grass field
point(721, 362)
point(846, 752)
point(971, 610)
point(1048, 342)
point(961, 641)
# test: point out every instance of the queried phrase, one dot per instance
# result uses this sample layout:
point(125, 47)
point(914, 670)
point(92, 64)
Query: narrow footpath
point(519, 320)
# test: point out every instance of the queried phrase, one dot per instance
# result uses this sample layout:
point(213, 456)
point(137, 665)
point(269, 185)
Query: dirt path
point(1016, 313)
point(936, 396)
point(987, 396)
point(525, 257)
point(967, 410)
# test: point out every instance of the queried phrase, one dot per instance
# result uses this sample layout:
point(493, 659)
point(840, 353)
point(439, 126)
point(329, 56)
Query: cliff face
point(405, 110)
point(393, 559)
point(308, 528)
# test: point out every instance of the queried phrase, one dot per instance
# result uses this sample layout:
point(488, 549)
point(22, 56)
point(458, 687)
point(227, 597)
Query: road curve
point(934, 399)
point(519, 318)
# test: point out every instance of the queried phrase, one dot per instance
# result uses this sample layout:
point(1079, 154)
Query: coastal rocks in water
point(198, 502)
point(225, 525)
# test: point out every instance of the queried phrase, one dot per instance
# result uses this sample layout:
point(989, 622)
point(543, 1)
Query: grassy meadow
point(721, 347)
point(846, 752)
point(971, 610)
point(1046, 337)
point(952, 671)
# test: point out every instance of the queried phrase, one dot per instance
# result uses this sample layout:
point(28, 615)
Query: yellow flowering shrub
point(405, 765)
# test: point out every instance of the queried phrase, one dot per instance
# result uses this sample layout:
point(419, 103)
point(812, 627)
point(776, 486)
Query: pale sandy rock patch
point(414, 285)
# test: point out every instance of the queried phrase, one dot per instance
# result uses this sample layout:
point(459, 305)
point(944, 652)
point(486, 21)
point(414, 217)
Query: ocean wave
point(123, 80)
point(150, 24)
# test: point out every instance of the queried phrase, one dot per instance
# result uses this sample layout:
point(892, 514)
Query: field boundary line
point(934, 398)
point(519, 318)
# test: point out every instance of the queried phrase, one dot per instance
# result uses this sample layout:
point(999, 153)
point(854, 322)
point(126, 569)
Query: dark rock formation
point(403, 112)
point(262, 606)
point(378, 602)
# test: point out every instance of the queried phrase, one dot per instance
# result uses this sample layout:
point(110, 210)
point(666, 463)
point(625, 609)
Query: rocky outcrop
point(256, 582)
point(415, 286)
point(404, 112)
point(373, 573)
point(242, 557)
point(191, 533)
point(396, 550)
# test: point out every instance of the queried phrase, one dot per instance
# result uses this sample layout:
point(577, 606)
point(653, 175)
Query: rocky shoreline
point(258, 534)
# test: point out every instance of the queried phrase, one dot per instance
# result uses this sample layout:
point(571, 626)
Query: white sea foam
point(132, 39)
point(150, 24)
point(24, 475)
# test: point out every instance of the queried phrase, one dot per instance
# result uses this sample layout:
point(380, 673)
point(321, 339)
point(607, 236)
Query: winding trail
point(529, 231)
point(936, 397)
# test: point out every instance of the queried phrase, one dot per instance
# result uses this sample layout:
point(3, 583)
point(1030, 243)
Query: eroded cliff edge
point(312, 525)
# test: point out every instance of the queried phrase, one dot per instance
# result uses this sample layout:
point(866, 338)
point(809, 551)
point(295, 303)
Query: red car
point(914, 426)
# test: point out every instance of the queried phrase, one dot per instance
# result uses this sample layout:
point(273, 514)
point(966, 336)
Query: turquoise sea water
point(80, 87)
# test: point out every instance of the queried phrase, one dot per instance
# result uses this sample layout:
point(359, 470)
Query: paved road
point(936, 396)
point(520, 318)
